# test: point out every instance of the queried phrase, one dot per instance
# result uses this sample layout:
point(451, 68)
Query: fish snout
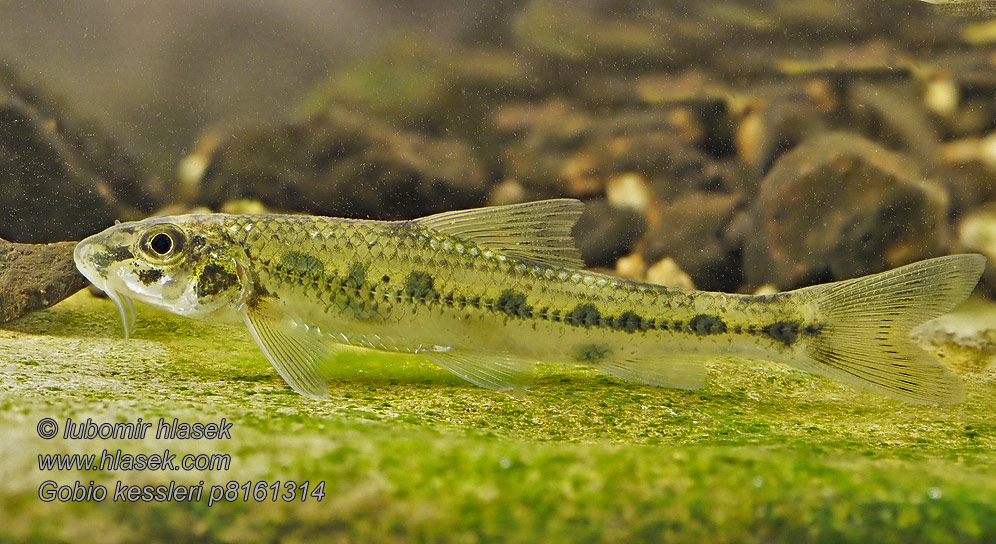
point(92, 260)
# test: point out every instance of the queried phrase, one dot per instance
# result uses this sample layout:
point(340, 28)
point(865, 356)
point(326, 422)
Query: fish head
point(183, 264)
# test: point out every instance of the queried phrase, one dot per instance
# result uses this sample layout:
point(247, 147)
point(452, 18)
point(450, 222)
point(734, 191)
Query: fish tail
point(864, 339)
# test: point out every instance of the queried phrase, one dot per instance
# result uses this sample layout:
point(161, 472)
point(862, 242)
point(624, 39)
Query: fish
point(488, 292)
point(964, 8)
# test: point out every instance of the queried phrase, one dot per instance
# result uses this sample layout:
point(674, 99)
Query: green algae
point(409, 452)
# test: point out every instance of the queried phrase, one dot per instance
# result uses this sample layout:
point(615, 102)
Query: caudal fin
point(865, 336)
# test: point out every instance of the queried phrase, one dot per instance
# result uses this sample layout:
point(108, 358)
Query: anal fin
point(296, 352)
point(680, 371)
point(486, 369)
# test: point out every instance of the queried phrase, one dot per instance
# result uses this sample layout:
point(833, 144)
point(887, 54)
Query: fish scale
point(488, 292)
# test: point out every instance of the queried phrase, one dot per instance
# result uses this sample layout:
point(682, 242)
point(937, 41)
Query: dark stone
point(691, 230)
point(604, 233)
point(839, 206)
point(559, 147)
point(62, 178)
point(341, 163)
point(33, 277)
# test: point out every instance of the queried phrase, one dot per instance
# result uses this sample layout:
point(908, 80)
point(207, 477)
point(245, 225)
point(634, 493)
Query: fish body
point(488, 292)
point(964, 8)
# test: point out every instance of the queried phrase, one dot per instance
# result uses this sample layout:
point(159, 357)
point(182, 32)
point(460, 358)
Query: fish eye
point(161, 243)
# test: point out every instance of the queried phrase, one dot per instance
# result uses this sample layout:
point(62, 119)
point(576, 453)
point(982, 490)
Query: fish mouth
point(84, 263)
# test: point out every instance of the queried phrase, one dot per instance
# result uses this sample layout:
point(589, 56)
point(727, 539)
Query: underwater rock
point(628, 190)
point(36, 276)
point(544, 151)
point(770, 125)
point(667, 272)
point(871, 61)
point(890, 114)
point(972, 324)
point(604, 232)
point(631, 267)
point(432, 86)
point(968, 166)
point(840, 206)
point(61, 179)
point(675, 110)
point(692, 87)
point(564, 35)
point(977, 234)
point(691, 231)
point(559, 148)
point(959, 86)
point(509, 191)
point(343, 164)
point(243, 206)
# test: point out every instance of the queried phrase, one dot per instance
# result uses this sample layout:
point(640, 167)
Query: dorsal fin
point(537, 231)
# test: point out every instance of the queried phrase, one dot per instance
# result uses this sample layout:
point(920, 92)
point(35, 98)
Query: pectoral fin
point(297, 353)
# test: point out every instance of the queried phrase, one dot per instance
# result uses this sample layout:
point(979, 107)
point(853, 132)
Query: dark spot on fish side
point(629, 322)
point(419, 286)
point(103, 259)
point(197, 241)
point(591, 353)
point(303, 263)
point(514, 304)
point(583, 315)
point(214, 279)
point(786, 332)
point(150, 276)
point(356, 276)
point(385, 278)
point(812, 329)
point(703, 324)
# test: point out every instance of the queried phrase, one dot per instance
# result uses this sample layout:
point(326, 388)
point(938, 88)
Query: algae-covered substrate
point(408, 452)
